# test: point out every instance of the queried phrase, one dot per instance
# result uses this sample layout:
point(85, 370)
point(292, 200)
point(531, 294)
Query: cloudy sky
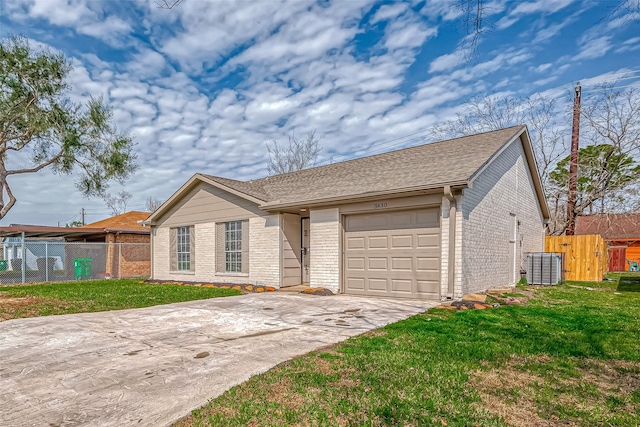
point(202, 87)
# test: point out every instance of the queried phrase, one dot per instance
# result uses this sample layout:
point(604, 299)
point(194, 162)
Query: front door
point(306, 255)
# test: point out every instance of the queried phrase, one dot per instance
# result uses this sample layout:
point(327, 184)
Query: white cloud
point(448, 61)
point(629, 45)
point(389, 11)
point(542, 67)
point(294, 66)
point(530, 7)
point(595, 48)
point(209, 33)
point(86, 17)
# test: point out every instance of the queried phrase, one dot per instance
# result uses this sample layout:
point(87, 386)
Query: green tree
point(40, 127)
point(604, 172)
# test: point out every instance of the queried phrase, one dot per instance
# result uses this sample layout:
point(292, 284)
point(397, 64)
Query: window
point(183, 249)
point(233, 246)
point(182, 245)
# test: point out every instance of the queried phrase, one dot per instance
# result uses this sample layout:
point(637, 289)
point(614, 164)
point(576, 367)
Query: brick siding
point(325, 248)
point(264, 249)
point(504, 188)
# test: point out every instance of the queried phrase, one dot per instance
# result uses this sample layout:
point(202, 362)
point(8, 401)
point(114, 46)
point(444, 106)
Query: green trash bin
point(82, 268)
point(3, 265)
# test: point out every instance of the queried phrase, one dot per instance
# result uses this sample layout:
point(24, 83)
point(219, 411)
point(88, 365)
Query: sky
point(204, 86)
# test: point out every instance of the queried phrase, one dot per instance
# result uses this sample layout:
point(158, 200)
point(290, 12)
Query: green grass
point(95, 295)
point(570, 357)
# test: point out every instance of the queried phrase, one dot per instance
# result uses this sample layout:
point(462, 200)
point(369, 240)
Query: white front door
point(306, 255)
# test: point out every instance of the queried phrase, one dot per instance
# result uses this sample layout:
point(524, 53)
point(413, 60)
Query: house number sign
point(380, 205)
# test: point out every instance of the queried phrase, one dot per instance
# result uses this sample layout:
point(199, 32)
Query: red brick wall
point(132, 260)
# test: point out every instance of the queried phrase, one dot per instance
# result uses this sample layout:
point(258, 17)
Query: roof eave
point(400, 192)
point(126, 231)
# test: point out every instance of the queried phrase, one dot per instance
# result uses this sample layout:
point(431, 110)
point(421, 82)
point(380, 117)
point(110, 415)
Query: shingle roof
point(610, 226)
point(428, 166)
point(125, 221)
point(250, 188)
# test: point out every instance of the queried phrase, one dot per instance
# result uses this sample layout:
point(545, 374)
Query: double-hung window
point(233, 246)
point(184, 248)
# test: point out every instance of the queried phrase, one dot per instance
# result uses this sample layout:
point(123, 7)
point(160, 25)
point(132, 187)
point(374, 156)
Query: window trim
point(241, 247)
point(183, 241)
point(233, 247)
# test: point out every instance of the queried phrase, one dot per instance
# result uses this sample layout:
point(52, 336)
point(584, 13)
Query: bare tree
point(117, 204)
point(609, 173)
point(299, 154)
point(168, 4)
point(546, 127)
point(152, 204)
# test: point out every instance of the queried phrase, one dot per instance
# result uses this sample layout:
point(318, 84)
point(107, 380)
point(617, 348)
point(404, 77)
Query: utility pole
point(82, 213)
point(573, 164)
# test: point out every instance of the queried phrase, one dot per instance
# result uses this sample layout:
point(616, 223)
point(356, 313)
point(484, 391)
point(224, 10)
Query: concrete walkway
point(152, 366)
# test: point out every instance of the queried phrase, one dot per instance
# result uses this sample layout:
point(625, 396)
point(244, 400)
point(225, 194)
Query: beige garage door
point(393, 254)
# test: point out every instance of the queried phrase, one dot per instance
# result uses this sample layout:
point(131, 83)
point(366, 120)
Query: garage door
point(393, 254)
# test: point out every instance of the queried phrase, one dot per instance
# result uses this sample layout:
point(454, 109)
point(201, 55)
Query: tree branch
point(36, 168)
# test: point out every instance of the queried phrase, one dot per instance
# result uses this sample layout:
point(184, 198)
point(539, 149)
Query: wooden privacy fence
point(585, 256)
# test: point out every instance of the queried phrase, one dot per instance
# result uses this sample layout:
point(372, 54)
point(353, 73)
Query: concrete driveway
point(152, 366)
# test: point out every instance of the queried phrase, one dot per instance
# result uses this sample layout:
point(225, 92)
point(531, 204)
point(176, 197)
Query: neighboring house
point(432, 221)
point(125, 250)
point(620, 231)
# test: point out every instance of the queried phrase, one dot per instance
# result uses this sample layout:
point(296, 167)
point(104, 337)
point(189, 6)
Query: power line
point(622, 73)
point(613, 87)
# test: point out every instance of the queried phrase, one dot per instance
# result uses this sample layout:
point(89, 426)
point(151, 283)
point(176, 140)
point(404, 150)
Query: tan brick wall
point(325, 230)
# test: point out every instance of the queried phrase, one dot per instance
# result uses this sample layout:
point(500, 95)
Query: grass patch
point(569, 357)
point(95, 295)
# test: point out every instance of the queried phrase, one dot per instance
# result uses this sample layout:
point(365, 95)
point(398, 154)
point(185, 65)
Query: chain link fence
point(56, 261)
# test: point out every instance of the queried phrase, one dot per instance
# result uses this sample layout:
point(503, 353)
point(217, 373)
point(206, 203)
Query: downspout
point(452, 241)
point(24, 257)
point(151, 240)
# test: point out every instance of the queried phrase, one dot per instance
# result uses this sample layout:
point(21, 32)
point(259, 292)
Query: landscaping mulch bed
point(243, 288)
point(494, 298)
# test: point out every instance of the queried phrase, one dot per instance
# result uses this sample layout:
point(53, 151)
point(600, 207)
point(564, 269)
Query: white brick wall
point(444, 247)
point(160, 253)
point(504, 188)
point(264, 247)
point(325, 248)
point(264, 258)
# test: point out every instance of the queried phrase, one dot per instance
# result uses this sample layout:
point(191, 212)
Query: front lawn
point(569, 357)
point(95, 295)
